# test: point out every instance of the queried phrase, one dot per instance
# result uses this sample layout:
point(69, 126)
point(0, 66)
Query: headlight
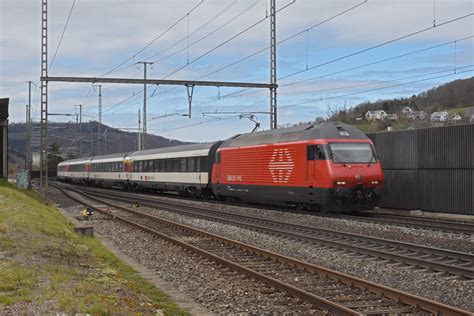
point(340, 182)
point(374, 182)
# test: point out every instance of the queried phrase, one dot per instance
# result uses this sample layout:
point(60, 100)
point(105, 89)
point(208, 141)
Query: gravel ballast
point(191, 275)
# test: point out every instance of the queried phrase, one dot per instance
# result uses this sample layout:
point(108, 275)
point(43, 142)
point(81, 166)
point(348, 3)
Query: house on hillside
point(391, 117)
point(417, 115)
point(406, 110)
point(455, 117)
point(375, 115)
point(442, 116)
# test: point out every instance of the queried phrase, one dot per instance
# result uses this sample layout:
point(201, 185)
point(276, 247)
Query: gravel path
point(216, 289)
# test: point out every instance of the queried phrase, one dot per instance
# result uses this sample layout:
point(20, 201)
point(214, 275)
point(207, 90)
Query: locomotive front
point(349, 175)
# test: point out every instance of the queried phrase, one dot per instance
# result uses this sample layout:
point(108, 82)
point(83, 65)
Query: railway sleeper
point(397, 311)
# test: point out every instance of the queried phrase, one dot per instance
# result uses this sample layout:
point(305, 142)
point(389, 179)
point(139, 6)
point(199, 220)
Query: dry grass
point(45, 268)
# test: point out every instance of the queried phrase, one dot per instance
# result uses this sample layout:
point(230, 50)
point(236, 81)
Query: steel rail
point(424, 223)
point(418, 303)
point(415, 222)
point(306, 233)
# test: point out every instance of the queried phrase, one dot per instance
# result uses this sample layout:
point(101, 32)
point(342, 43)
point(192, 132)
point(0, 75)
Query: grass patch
point(460, 111)
point(47, 268)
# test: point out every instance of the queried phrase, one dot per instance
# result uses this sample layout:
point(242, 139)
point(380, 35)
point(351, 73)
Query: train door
point(128, 168)
point(311, 156)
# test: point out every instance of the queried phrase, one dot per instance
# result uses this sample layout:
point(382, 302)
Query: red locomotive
point(324, 166)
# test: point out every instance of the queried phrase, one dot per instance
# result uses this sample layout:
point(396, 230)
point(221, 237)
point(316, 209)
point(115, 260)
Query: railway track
point(427, 259)
point(335, 292)
point(368, 217)
point(415, 222)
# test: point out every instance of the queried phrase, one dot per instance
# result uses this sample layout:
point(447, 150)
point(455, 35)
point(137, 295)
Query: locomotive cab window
point(315, 152)
point(218, 157)
point(352, 153)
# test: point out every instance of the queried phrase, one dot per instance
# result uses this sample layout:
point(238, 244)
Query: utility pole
point(28, 160)
point(105, 141)
point(273, 74)
point(139, 131)
point(44, 102)
point(99, 126)
point(143, 142)
point(79, 118)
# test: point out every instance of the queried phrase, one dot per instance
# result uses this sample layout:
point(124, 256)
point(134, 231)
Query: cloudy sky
point(332, 52)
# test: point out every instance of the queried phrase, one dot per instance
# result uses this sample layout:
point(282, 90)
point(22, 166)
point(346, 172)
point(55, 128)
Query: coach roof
point(325, 130)
point(173, 149)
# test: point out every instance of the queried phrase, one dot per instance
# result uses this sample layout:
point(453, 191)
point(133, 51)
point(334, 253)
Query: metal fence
point(430, 169)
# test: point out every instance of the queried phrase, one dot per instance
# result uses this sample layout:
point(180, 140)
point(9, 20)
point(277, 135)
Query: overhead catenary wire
point(196, 30)
point(319, 77)
point(378, 61)
point(372, 83)
point(363, 50)
point(317, 100)
point(372, 63)
point(226, 41)
point(239, 93)
point(184, 39)
point(216, 29)
point(306, 30)
point(377, 46)
point(62, 34)
point(154, 40)
point(381, 88)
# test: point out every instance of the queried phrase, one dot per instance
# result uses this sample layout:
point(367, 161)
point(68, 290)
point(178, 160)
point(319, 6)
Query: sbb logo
point(281, 165)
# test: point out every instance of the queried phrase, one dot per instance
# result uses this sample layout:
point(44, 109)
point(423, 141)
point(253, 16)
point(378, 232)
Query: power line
point(154, 40)
point(372, 83)
point(279, 42)
point(352, 68)
point(378, 89)
point(186, 38)
point(377, 62)
point(238, 93)
point(62, 35)
point(227, 41)
point(377, 46)
point(342, 96)
point(215, 17)
point(212, 32)
point(215, 120)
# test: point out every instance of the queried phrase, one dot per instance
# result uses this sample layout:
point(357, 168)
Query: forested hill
point(451, 95)
point(66, 137)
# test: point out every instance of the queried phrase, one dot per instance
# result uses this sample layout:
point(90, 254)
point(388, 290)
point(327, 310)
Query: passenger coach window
point(183, 164)
point(162, 165)
point(176, 165)
point(203, 166)
point(197, 164)
point(191, 164)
